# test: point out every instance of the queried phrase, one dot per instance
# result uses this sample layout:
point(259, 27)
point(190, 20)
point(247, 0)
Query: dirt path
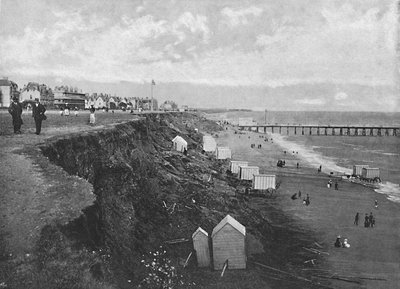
point(33, 192)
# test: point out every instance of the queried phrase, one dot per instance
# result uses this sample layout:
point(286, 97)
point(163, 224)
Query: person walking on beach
point(376, 204)
point(15, 110)
point(307, 200)
point(38, 111)
point(299, 194)
point(92, 117)
point(366, 221)
point(356, 218)
point(336, 186)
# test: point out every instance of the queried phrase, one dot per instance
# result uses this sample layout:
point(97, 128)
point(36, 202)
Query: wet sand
point(374, 252)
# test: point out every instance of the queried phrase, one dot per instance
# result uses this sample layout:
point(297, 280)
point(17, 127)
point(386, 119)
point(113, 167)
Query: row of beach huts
point(364, 172)
point(243, 170)
point(228, 238)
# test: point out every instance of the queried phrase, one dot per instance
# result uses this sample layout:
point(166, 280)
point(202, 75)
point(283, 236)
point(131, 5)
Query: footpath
point(34, 192)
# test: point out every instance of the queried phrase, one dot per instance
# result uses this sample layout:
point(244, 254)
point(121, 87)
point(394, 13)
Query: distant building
point(168, 106)
point(68, 97)
point(35, 90)
point(8, 89)
point(112, 102)
point(100, 102)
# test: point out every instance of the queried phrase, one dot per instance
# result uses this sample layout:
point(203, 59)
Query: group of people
point(329, 185)
point(38, 113)
point(340, 244)
point(66, 111)
point(38, 110)
point(254, 145)
point(369, 220)
point(306, 200)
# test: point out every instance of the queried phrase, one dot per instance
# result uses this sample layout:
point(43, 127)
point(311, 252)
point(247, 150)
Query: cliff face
point(147, 193)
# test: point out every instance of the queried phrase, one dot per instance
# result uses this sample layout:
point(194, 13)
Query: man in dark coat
point(38, 111)
point(15, 110)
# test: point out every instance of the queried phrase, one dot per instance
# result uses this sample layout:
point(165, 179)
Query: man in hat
point(15, 110)
point(38, 111)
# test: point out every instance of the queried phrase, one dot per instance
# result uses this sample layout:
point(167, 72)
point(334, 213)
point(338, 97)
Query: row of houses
point(64, 96)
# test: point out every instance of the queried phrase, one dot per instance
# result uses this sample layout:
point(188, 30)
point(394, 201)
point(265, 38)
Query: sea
point(337, 153)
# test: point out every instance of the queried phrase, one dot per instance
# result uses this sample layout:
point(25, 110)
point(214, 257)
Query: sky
point(257, 54)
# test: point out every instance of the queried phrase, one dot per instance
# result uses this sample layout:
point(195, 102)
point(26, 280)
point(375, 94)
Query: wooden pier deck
point(324, 129)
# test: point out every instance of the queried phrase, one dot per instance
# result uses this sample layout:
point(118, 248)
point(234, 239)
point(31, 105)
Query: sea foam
point(391, 190)
point(313, 158)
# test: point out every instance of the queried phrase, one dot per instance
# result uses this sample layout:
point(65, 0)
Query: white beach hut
point(179, 144)
point(236, 164)
point(370, 173)
point(209, 143)
point(201, 247)
point(247, 172)
point(223, 153)
point(264, 182)
point(228, 239)
point(357, 169)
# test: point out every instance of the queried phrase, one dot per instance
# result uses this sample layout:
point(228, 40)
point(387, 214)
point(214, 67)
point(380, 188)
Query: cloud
point(240, 16)
point(195, 24)
point(139, 9)
point(311, 101)
point(341, 96)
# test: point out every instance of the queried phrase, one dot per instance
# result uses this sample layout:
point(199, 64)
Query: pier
point(324, 130)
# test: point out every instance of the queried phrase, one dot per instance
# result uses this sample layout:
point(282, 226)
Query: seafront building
point(65, 96)
point(34, 90)
point(8, 89)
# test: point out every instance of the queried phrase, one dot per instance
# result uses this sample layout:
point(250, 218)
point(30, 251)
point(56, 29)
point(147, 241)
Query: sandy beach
point(374, 252)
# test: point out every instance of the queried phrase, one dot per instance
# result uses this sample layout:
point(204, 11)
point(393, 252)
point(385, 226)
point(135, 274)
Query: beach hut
point(247, 172)
point(236, 164)
point(370, 173)
point(179, 144)
point(223, 153)
point(228, 240)
point(201, 247)
point(357, 169)
point(264, 182)
point(209, 143)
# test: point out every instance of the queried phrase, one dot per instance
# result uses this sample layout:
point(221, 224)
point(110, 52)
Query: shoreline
point(331, 212)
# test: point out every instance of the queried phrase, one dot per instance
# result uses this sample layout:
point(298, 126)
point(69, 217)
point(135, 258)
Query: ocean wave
point(391, 190)
point(380, 152)
point(310, 156)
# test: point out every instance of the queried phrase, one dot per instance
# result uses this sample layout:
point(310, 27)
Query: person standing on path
point(15, 110)
point(92, 117)
point(356, 218)
point(38, 111)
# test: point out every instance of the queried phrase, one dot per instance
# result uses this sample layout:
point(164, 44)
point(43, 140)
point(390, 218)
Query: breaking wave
point(311, 157)
point(391, 190)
